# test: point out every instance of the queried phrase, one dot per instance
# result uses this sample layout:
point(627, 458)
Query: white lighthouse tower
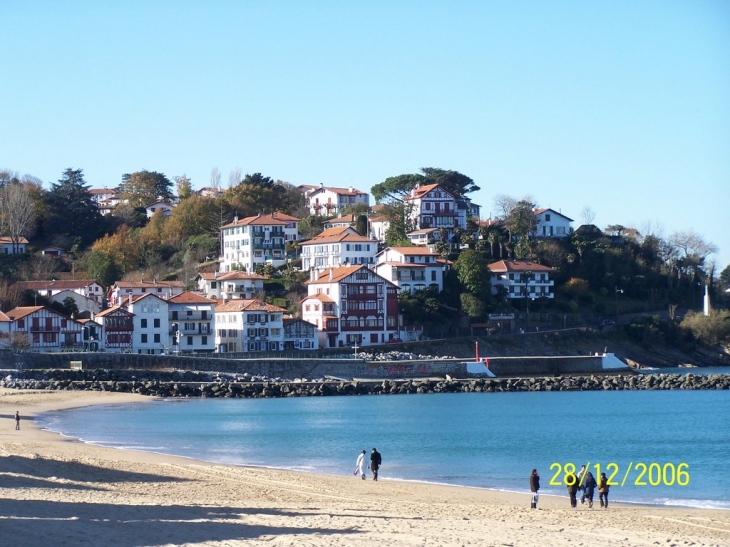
point(706, 306)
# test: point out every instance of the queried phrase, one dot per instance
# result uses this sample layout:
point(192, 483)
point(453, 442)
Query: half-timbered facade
point(248, 326)
point(351, 305)
point(46, 329)
point(118, 326)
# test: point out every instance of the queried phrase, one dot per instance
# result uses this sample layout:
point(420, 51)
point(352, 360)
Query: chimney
point(321, 184)
point(331, 274)
point(352, 190)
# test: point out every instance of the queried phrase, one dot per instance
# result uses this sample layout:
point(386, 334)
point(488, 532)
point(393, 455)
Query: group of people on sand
point(362, 466)
point(584, 482)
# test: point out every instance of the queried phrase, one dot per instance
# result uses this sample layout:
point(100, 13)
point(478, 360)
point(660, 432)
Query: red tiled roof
point(408, 251)
point(518, 266)
point(271, 219)
point(148, 284)
point(246, 305)
point(24, 311)
point(228, 276)
point(319, 296)
point(111, 310)
point(190, 298)
point(57, 285)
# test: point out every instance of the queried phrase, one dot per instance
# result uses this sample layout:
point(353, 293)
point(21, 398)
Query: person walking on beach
point(375, 461)
point(17, 420)
point(534, 487)
point(581, 486)
point(572, 481)
point(362, 465)
point(589, 485)
point(603, 491)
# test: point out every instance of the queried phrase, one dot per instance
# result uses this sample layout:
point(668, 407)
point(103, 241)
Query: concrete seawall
point(291, 368)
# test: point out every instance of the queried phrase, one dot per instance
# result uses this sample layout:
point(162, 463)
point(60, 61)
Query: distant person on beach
point(572, 481)
point(581, 486)
point(589, 485)
point(534, 487)
point(17, 420)
point(603, 488)
point(362, 465)
point(375, 461)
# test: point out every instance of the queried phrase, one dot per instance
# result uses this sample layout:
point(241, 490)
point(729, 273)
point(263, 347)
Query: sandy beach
point(58, 491)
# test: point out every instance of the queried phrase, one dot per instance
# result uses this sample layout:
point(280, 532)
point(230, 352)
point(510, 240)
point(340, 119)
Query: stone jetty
point(205, 384)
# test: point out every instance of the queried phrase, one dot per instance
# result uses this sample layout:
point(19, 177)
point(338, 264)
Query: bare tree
point(215, 178)
point(234, 177)
point(504, 205)
point(588, 215)
point(17, 212)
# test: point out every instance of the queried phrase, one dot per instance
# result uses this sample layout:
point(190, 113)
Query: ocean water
point(486, 440)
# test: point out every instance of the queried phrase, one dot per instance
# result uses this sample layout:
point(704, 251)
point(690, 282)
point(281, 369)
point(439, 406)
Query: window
point(21, 323)
point(190, 340)
point(144, 339)
point(143, 323)
point(157, 323)
point(547, 217)
point(204, 340)
point(433, 275)
point(157, 338)
point(174, 315)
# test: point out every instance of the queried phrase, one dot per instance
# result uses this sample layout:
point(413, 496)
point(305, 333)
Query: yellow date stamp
point(645, 474)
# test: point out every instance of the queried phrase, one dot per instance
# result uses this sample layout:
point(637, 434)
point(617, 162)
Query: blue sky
point(620, 106)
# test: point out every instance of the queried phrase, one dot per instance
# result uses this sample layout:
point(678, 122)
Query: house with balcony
point(424, 236)
point(192, 323)
point(411, 268)
point(123, 292)
point(151, 325)
point(335, 247)
point(346, 221)
point(230, 285)
point(257, 240)
point(92, 334)
point(248, 326)
point(431, 206)
point(351, 305)
point(551, 223)
point(45, 329)
point(521, 279)
point(300, 335)
point(117, 325)
point(328, 201)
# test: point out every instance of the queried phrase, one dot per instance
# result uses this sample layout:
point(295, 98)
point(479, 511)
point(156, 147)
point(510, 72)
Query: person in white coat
point(362, 465)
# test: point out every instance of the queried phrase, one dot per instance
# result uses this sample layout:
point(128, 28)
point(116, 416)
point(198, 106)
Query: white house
point(166, 209)
point(43, 328)
point(83, 303)
point(328, 200)
point(411, 268)
point(9, 247)
point(551, 223)
point(229, 285)
point(424, 236)
point(335, 247)
point(347, 221)
point(351, 305)
point(88, 288)
point(248, 325)
point(151, 333)
point(92, 334)
point(257, 240)
point(192, 323)
point(521, 279)
point(378, 226)
point(300, 335)
point(122, 291)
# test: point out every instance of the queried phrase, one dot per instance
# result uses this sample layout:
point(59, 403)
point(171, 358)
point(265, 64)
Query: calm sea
point(488, 440)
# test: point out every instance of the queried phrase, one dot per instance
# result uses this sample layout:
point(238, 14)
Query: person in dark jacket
point(603, 488)
point(375, 461)
point(534, 487)
point(590, 485)
point(572, 481)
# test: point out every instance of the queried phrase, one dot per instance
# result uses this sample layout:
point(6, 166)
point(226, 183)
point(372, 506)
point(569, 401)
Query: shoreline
point(46, 477)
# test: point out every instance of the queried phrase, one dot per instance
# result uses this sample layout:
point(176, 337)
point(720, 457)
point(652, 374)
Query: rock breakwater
point(197, 384)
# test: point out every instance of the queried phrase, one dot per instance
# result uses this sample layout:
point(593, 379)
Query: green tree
point(398, 187)
point(361, 225)
point(259, 194)
point(471, 270)
point(184, 187)
point(399, 219)
point(143, 188)
point(71, 210)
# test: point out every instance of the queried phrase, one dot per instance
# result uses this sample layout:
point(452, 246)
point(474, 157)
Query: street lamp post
point(616, 290)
